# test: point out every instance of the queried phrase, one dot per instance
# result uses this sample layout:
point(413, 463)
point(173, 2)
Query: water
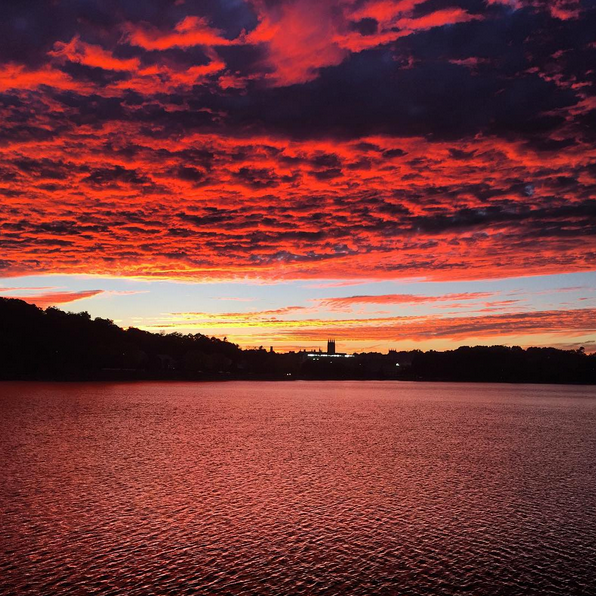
point(297, 488)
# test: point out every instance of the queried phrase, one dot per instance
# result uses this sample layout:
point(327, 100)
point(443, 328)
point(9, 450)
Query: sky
point(392, 173)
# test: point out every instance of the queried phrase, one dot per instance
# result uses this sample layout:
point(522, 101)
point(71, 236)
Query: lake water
point(297, 488)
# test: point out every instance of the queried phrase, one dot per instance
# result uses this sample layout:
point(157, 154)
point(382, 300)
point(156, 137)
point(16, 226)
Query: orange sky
point(285, 142)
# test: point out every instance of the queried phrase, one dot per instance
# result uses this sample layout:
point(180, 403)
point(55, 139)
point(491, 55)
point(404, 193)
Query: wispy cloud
point(348, 301)
point(44, 300)
point(570, 322)
point(5, 289)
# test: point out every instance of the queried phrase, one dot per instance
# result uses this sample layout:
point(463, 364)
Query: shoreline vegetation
point(53, 345)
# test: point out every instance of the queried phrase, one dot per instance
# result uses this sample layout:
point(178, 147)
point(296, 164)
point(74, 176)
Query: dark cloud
point(367, 26)
point(107, 176)
point(370, 94)
point(392, 153)
point(577, 220)
point(256, 177)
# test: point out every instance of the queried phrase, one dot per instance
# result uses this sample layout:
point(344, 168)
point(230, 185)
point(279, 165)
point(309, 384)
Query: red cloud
point(18, 77)
point(203, 207)
point(448, 16)
point(300, 39)
point(189, 151)
point(54, 298)
point(191, 31)
point(348, 301)
point(92, 55)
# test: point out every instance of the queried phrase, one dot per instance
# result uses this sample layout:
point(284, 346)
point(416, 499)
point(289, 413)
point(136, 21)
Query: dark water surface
point(297, 488)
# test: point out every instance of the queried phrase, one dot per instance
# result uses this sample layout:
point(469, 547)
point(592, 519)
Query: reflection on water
point(297, 488)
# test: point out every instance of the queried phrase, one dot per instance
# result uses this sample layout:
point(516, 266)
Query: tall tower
point(330, 346)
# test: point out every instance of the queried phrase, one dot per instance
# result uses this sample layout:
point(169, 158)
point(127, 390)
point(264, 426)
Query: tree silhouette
point(51, 344)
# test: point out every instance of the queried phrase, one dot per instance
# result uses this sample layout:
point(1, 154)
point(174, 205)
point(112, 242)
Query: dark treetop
point(50, 344)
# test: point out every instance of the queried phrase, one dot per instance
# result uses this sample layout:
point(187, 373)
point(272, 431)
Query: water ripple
point(297, 488)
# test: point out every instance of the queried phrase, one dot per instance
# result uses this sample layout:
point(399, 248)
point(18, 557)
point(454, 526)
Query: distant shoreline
point(52, 345)
point(281, 380)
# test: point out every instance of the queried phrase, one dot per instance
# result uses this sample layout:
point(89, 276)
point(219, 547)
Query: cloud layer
point(447, 139)
point(499, 328)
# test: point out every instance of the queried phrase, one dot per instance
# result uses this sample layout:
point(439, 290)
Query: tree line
point(51, 344)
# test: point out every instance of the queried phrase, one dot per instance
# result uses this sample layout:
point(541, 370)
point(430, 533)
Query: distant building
point(331, 353)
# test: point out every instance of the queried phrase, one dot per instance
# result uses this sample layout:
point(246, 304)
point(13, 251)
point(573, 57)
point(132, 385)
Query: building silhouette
point(331, 352)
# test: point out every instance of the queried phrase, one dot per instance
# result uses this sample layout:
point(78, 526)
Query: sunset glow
point(390, 173)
